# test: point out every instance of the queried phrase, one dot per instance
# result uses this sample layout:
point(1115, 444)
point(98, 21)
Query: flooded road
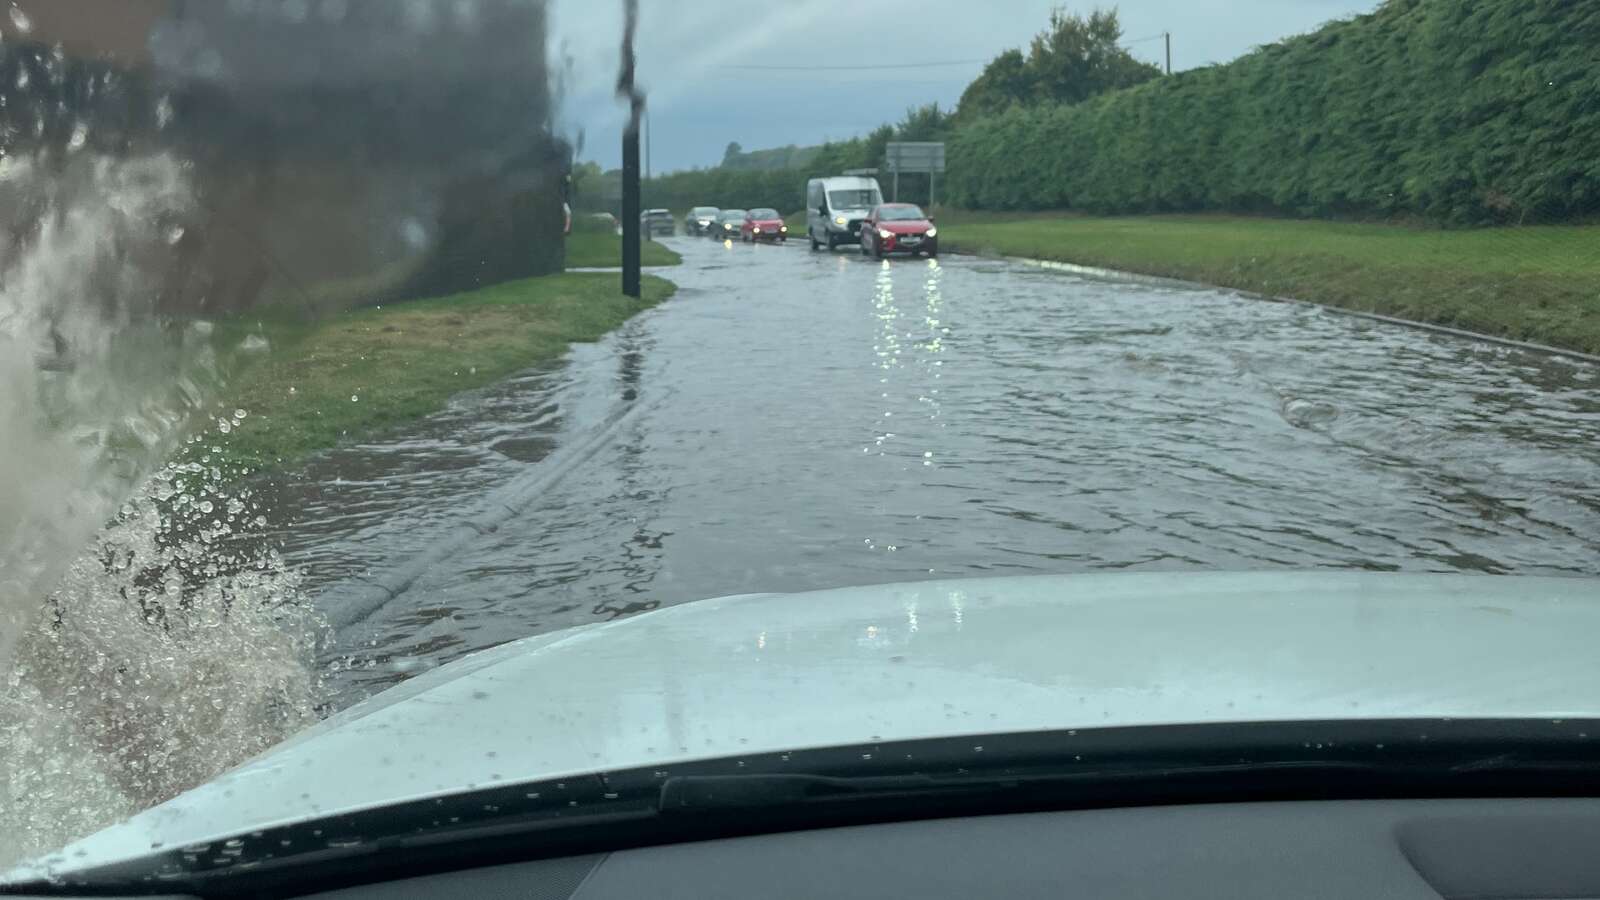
point(795, 421)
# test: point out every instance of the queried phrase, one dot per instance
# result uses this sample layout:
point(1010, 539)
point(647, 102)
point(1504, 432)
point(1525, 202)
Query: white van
point(835, 208)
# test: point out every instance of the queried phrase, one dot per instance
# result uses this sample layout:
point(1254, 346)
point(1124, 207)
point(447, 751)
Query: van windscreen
point(861, 199)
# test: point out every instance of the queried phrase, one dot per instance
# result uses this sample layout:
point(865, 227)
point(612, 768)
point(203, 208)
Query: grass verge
point(357, 373)
point(1536, 283)
point(590, 249)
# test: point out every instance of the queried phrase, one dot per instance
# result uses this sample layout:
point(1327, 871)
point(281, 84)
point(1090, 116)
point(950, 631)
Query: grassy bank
point(1532, 283)
point(360, 372)
point(590, 249)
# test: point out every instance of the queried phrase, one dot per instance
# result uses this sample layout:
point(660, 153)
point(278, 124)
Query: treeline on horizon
point(1454, 111)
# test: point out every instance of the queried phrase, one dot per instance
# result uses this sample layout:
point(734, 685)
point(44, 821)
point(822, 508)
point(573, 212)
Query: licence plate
point(911, 241)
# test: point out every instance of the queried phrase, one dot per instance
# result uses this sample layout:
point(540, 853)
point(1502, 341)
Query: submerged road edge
point(1137, 278)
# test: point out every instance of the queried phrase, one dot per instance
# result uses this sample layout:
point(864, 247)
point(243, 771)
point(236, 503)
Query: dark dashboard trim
point(1014, 773)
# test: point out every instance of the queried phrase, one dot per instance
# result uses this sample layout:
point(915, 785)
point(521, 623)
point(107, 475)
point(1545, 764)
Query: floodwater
point(795, 421)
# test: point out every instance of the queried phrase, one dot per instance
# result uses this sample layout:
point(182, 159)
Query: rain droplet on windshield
point(20, 20)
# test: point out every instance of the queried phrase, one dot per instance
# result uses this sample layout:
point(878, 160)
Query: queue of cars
point(839, 211)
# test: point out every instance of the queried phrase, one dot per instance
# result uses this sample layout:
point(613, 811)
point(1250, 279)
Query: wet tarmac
point(794, 421)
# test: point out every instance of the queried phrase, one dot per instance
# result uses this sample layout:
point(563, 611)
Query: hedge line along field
point(1455, 112)
point(1443, 111)
point(781, 189)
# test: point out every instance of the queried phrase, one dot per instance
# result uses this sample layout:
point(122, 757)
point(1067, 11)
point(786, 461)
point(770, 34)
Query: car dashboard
point(1403, 849)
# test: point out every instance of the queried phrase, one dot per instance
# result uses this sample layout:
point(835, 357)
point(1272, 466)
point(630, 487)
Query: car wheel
point(814, 245)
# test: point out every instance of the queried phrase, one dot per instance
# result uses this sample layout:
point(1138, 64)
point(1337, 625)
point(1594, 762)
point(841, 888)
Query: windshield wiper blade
point(710, 793)
point(858, 784)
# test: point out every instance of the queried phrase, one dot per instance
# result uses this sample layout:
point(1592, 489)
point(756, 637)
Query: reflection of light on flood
point(727, 243)
point(958, 602)
point(911, 617)
point(761, 641)
point(886, 343)
point(932, 346)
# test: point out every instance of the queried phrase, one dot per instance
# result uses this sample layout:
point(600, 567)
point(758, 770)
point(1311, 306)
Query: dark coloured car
point(763, 225)
point(729, 222)
point(899, 228)
point(700, 220)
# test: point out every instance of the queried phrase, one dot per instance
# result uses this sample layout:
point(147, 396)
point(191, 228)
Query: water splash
point(92, 388)
point(171, 651)
point(139, 657)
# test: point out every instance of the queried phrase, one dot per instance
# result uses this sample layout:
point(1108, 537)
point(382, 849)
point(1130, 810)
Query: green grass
point(360, 372)
point(589, 249)
point(1536, 283)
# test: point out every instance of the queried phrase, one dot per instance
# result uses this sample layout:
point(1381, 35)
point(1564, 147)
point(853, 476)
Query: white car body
point(772, 673)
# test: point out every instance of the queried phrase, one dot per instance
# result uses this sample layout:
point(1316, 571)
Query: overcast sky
point(698, 103)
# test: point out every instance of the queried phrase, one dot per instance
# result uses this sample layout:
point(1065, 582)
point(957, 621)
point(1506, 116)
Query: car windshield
point(855, 199)
point(900, 214)
point(386, 419)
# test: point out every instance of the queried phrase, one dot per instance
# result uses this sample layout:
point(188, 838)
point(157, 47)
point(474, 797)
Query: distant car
point(899, 228)
point(657, 221)
point(700, 219)
point(763, 225)
point(729, 221)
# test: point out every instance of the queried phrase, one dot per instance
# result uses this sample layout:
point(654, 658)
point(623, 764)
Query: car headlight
point(758, 229)
point(885, 233)
point(783, 228)
point(933, 232)
point(841, 221)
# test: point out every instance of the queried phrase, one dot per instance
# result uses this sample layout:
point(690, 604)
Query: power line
point(921, 65)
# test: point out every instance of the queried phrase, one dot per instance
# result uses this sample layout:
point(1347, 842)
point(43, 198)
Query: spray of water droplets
point(178, 645)
point(150, 638)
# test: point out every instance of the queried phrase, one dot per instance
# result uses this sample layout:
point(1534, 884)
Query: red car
point(763, 225)
point(899, 228)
